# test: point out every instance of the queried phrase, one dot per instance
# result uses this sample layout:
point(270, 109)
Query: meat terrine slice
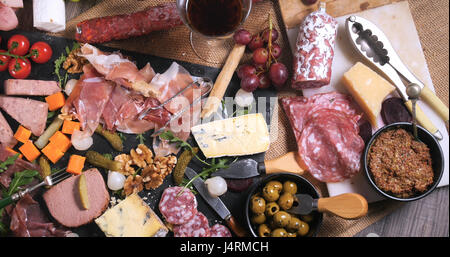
point(29, 113)
point(64, 203)
point(6, 133)
point(31, 87)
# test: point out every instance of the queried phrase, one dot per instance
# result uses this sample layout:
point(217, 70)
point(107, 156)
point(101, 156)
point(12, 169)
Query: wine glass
point(212, 24)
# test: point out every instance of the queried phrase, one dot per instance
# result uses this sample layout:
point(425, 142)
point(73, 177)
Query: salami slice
point(180, 209)
point(219, 230)
point(198, 226)
point(330, 146)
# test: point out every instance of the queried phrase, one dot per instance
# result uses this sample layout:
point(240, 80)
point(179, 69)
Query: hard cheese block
point(368, 89)
point(243, 135)
point(132, 217)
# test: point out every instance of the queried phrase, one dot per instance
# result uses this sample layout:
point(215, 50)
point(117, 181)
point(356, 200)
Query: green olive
point(264, 230)
point(259, 218)
point(303, 229)
point(271, 209)
point(281, 219)
point(294, 224)
point(270, 193)
point(286, 201)
point(279, 232)
point(290, 187)
point(307, 218)
point(258, 205)
point(276, 184)
point(289, 234)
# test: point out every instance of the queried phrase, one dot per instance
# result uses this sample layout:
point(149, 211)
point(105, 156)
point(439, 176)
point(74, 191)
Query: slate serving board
point(233, 200)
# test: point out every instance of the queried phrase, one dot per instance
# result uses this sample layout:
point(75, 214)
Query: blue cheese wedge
point(242, 135)
point(131, 217)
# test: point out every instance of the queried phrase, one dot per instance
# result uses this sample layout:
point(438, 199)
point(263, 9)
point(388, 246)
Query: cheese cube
point(368, 89)
point(242, 135)
point(131, 217)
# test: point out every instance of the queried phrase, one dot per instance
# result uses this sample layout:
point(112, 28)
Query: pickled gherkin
point(113, 138)
point(182, 163)
point(98, 160)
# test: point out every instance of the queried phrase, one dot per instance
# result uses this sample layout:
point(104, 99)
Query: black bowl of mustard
point(303, 187)
point(435, 152)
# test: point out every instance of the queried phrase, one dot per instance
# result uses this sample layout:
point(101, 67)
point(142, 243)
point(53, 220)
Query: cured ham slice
point(29, 113)
point(12, 3)
point(88, 99)
point(8, 18)
point(114, 67)
point(30, 87)
point(6, 133)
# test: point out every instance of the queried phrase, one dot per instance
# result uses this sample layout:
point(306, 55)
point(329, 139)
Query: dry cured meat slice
point(219, 230)
point(198, 226)
point(178, 209)
point(330, 146)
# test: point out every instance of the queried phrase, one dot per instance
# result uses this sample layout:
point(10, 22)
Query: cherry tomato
point(41, 52)
point(4, 60)
point(18, 45)
point(19, 68)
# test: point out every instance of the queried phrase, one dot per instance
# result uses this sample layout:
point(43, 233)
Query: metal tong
point(375, 47)
point(200, 83)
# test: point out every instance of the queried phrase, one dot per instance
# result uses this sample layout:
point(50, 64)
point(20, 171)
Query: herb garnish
point(169, 136)
point(21, 178)
point(4, 165)
point(60, 61)
point(141, 138)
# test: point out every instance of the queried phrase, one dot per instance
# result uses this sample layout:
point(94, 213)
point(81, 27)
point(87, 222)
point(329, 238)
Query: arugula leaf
point(20, 179)
point(169, 136)
point(4, 165)
point(141, 138)
point(122, 136)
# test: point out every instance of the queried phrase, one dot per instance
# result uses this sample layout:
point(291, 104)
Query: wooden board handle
point(438, 106)
point(347, 206)
point(237, 229)
point(286, 163)
point(223, 80)
point(423, 120)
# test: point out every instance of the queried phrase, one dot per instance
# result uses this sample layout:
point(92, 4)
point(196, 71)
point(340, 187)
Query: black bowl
point(437, 158)
point(303, 187)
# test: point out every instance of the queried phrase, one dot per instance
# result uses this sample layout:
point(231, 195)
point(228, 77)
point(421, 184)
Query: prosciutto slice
point(88, 99)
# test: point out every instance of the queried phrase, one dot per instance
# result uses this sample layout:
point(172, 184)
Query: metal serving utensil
point(48, 181)
point(375, 47)
point(413, 91)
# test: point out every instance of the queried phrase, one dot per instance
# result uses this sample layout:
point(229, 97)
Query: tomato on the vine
point(4, 61)
point(19, 68)
point(41, 52)
point(18, 45)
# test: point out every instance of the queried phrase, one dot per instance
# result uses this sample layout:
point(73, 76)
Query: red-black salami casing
point(314, 53)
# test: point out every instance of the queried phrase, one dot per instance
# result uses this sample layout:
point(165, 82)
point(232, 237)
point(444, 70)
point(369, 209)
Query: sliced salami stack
point(181, 211)
point(327, 134)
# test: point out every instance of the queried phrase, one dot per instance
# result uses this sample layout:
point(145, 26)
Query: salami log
point(105, 29)
point(198, 226)
point(178, 209)
point(315, 51)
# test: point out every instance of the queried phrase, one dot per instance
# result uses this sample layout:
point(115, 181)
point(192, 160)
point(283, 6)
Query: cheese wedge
point(131, 217)
point(242, 135)
point(368, 89)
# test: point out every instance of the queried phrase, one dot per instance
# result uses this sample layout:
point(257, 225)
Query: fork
point(48, 181)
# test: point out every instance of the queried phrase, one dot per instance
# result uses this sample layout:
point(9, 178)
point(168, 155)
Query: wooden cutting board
point(293, 11)
point(396, 21)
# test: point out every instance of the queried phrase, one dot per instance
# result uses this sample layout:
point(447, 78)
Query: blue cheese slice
point(242, 135)
point(131, 217)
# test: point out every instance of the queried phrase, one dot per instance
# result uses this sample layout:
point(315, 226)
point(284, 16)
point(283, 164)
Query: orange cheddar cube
point(53, 153)
point(22, 134)
point(70, 126)
point(55, 101)
point(29, 151)
point(61, 141)
point(76, 164)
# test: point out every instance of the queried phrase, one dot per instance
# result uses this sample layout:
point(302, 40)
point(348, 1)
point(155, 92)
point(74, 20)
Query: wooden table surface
point(428, 217)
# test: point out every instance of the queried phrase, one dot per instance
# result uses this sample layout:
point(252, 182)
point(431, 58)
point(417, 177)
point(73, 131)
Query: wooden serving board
point(396, 21)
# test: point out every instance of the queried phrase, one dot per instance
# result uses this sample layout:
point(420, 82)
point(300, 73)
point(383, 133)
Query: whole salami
point(315, 50)
point(178, 209)
point(198, 226)
point(101, 30)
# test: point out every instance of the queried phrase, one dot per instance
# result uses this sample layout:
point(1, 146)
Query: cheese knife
point(374, 46)
point(215, 203)
point(249, 168)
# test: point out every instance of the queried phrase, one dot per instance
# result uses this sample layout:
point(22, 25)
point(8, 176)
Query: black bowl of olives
point(268, 203)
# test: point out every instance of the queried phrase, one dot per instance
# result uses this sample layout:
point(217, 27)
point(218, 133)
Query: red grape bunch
point(265, 70)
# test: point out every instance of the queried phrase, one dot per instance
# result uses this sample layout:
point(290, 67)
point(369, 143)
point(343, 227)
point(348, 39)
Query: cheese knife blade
point(241, 169)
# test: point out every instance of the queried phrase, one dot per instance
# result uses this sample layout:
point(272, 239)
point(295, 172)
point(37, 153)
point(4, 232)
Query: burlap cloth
point(431, 17)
